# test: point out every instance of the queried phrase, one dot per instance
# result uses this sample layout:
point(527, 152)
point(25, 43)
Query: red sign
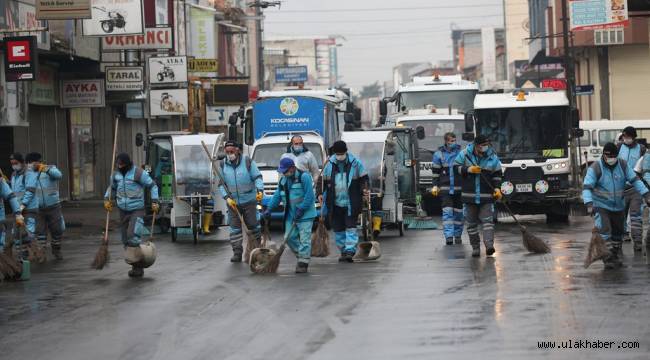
point(556, 84)
point(152, 39)
point(20, 62)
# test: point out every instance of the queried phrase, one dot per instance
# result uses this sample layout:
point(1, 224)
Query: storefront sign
point(219, 115)
point(82, 93)
point(287, 74)
point(44, 88)
point(598, 14)
point(62, 9)
point(110, 17)
point(20, 58)
point(555, 84)
point(152, 39)
point(27, 21)
point(124, 78)
point(201, 32)
point(167, 70)
point(202, 66)
point(164, 102)
point(134, 110)
point(582, 90)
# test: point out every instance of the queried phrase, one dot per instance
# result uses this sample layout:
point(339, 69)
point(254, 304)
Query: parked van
point(599, 132)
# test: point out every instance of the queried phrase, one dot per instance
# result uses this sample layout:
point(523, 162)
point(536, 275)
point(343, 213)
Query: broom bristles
point(10, 268)
point(101, 257)
point(320, 241)
point(597, 249)
point(274, 263)
point(36, 253)
point(534, 244)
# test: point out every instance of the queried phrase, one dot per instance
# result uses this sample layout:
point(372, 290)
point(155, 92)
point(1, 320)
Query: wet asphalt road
point(422, 300)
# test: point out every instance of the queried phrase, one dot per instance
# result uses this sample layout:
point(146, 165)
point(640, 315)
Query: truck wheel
point(164, 224)
point(400, 227)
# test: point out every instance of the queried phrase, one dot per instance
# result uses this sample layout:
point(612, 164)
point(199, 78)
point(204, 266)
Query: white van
point(599, 132)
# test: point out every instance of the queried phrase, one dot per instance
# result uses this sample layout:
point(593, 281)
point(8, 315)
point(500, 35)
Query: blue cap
point(285, 164)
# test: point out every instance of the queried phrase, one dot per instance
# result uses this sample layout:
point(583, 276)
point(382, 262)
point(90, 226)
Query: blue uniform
point(344, 182)
point(297, 192)
point(19, 187)
point(633, 202)
point(8, 195)
point(449, 183)
point(128, 190)
point(43, 188)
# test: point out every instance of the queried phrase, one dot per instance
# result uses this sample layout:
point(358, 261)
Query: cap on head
point(610, 150)
point(481, 139)
point(232, 143)
point(630, 131)
point(123, 158)
point(285, 165)
point(32, 157)
point(17, 157)
point(339, 147)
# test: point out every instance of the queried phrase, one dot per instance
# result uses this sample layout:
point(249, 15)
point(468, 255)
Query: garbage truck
point(532, 132)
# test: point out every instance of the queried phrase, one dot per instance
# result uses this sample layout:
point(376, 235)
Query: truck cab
point(530, 131)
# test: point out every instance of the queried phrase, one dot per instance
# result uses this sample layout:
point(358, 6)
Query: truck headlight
point(541, 187)
point(507, 188)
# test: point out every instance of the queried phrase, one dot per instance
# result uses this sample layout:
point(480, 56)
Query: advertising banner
point(62, 10)
point(27, 21)
point(167, 69)
point(201, 32)
point(20, 58)
point(288, 74)
point(164, 102)
point(218, 115)
point(203, 67)
point(598, 14)
point(288, 114)
point(44, 88)
point(152, 39)
point(82, 93)
point(111, 17)
point(124, 78)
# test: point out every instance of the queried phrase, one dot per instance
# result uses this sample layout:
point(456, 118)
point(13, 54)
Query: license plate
point(524, 188)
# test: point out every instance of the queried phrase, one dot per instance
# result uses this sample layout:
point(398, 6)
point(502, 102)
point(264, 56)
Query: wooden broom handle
point(110, 193)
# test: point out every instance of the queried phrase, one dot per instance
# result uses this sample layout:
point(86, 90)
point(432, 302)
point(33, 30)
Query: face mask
point(628, 141)
point(341, 157)
point(232, 157)
point(451, 144)
point(611, 161)
point(298, 148)
point(32, 166)
point(290, 174)
point(17, 167)
point(484, 148)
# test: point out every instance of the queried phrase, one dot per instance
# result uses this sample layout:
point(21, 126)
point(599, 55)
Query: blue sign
point(288, 114)
point(291, 74)
point(584, 90)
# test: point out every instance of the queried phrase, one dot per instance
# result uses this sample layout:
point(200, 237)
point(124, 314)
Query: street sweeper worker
point(303, 158)
point(18, 186)
point(7, 195)
point(42, 183)
point(631, 151)
point(296, 188)
point(446, 184)
point(603, 194)
point(242, 187)
point(642, 170)
point(127, 187)
point(480, 171)
point(345, 183)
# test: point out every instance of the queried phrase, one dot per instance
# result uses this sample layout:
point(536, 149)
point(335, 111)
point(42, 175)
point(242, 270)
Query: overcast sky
point(376, 40)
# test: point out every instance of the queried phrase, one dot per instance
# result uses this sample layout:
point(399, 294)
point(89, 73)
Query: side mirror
point(469, 122)
point(468, 137)
point(420, 133)
point(357, 114)
point(139, 139)
point(578, 133)
point(383, 108)
point(232, 133)
point(232, 119)
point(357, 123)
point(348, 118)
point(574, 114)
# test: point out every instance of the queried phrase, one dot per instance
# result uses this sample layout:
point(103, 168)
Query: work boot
point(236, 256)
point(627, 237)
point(207, 221)
point(476, 252)
point(449, 241)
point(301, 268)
point(490, 250)
point(136, 272)
point(56, 251)
point(342, 257)
point(349, 257)
point(458, 240)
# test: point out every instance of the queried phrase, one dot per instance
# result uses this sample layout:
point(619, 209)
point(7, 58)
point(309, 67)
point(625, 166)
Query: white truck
point(531, 132)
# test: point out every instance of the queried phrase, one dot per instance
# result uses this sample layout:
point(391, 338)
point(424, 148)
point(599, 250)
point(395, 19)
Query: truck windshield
point(435, 131)
point(463, 100)
point(526, 133)
point(267, 156)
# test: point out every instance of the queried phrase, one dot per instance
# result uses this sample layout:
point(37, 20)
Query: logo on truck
point(289, 106)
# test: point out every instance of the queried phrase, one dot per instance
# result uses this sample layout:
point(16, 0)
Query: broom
point(320, 239)
point(35, 252)
point(103, 256)
point(597, 249)
point(9, 267)
point(274, 263)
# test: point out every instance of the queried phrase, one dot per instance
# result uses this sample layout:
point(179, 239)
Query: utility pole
point(568, 58)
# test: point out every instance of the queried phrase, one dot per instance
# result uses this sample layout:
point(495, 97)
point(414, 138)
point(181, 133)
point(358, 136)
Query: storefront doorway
point(82, 153)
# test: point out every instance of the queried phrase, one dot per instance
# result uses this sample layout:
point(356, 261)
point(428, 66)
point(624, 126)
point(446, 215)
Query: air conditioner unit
point(613, 36)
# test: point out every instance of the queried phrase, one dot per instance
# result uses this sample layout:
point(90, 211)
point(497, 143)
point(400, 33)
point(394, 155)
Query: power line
point(379, 20)
point(389, 9)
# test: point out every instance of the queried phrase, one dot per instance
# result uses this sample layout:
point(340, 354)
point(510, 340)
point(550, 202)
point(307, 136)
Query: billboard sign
point(20, 58)
point(124, 78)
point(63, 10)
point(202, 40)
point(167, 69)
point(289, 74)
point(110, 17)
point(82, 93)
point(598, 14)
point(203, 67)
point(152, 39)
point(288, 114)
point(165, 102)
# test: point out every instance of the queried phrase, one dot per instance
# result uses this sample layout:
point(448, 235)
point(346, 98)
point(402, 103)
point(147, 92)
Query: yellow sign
point(203, 66)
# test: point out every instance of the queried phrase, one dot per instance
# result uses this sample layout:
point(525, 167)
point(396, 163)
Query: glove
point(232, 203)
point(299, 213)
point(497, 195)
point(259, 196)
point(435, 191)
point(474, 169)
point(41, 168)
point(20, 220)
point(266, 214)
point(155, 207)
point(590, 208)
point(108, 205)
point(22, 208)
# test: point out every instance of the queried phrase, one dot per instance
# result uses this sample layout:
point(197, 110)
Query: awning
point(542, 59)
